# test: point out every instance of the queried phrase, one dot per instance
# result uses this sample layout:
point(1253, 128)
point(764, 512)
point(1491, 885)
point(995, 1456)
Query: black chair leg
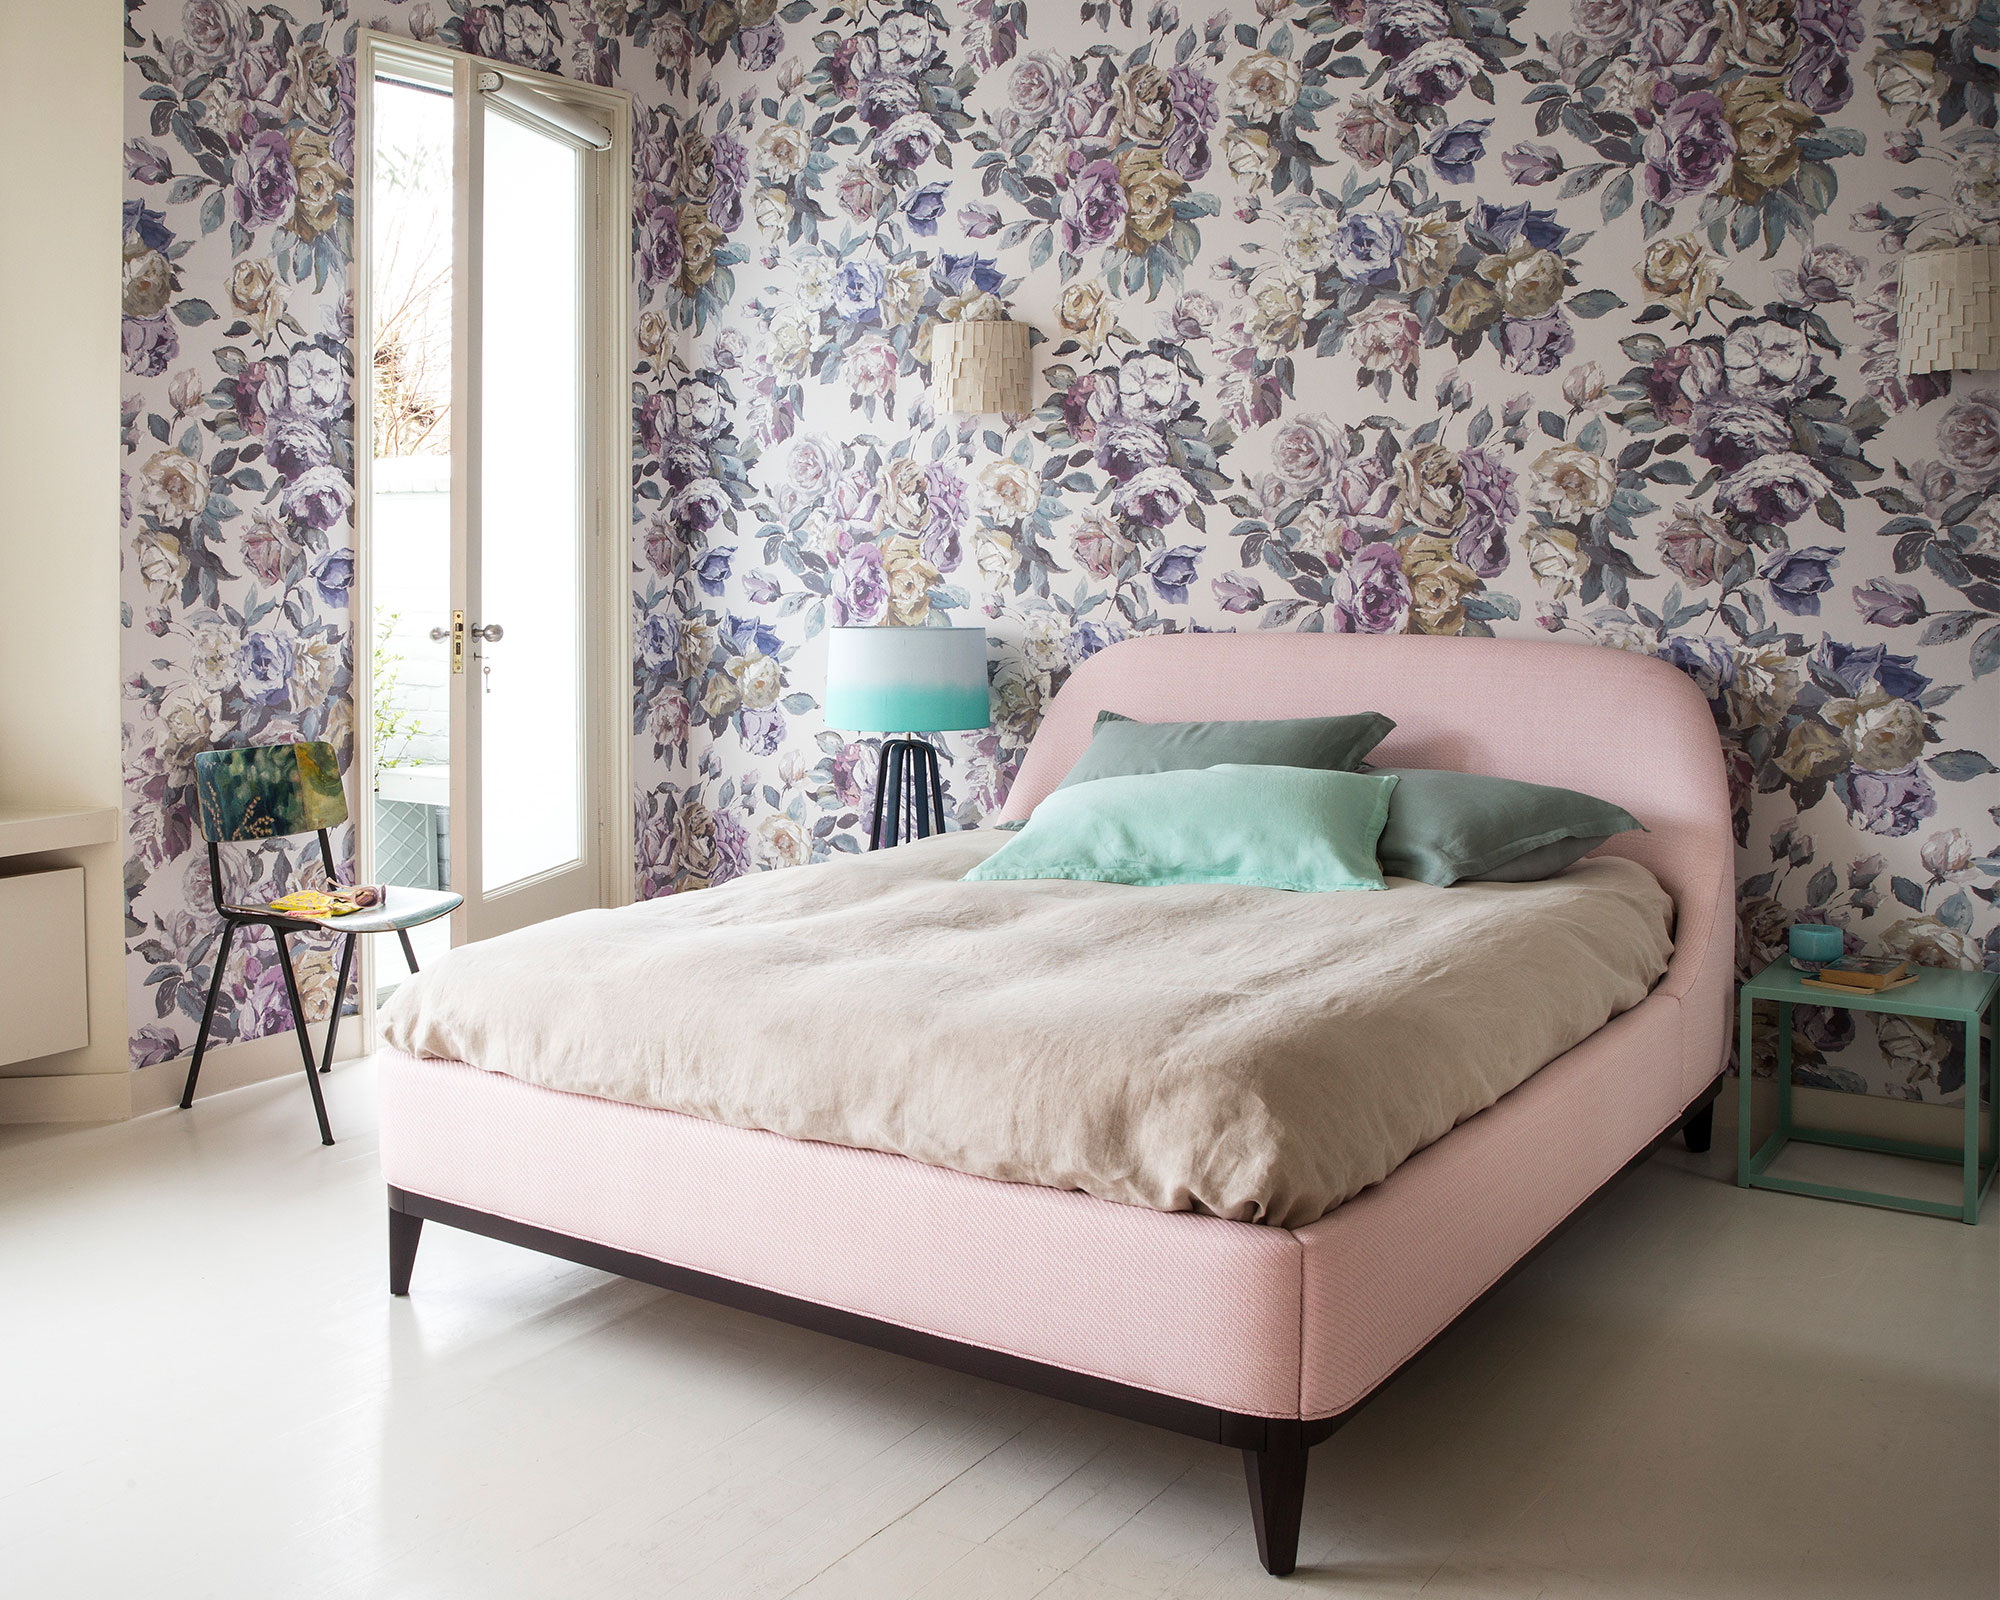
point(299, 1025)
point(1698, 1132)
point(409, 950)
point(1277, 1479)
point(339, 999)
point(208, 1014)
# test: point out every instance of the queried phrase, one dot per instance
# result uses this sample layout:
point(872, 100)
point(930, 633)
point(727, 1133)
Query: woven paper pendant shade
point(1948, 310)
point(980, 366)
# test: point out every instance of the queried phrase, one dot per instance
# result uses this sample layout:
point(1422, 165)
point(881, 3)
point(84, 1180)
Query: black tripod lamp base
point(909, 795)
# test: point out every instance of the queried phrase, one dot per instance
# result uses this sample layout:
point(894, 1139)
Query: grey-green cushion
point(1451, 827)
point(1120, 747)
point(1267, 827)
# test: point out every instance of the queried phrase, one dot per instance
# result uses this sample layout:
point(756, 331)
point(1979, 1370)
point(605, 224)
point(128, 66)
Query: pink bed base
point(1254, 1322)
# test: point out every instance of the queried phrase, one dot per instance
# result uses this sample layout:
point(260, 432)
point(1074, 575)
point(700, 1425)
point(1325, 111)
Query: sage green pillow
point(1121, 747)
point(1453, 827)
point(1270, 827)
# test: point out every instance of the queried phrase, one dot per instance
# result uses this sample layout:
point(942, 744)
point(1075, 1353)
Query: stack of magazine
point(1860, 975)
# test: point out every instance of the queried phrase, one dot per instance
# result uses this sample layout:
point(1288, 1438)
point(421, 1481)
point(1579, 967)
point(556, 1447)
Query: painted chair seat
point(400, 908)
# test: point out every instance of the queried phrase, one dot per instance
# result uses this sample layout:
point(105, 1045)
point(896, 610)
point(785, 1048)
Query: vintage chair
point(271, 792)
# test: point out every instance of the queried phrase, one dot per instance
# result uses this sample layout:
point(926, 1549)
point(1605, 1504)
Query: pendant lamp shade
point(1948, 310)
point(979, 367)
point(906, 680)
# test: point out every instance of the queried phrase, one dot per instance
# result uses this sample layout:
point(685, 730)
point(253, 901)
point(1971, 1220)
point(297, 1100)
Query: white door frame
point(606, 453)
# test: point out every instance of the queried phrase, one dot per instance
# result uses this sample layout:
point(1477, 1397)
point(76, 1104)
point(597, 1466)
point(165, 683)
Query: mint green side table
point(1943, 995)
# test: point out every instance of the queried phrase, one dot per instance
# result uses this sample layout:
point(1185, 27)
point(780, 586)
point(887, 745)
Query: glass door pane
point(530, 534)
point(410, 304)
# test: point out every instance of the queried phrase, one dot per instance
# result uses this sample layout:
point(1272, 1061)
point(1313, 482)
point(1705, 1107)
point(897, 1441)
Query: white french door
point(502, 654)
point(520, 666)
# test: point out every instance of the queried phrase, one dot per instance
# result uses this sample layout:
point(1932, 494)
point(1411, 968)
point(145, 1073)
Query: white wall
point(61, 121)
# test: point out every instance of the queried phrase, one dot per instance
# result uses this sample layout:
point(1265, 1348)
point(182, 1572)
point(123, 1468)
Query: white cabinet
point(43, 1004)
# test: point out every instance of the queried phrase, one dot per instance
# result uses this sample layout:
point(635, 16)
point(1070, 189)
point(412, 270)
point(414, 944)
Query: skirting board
point(236, 1066)
point(67, 1097)
point(114, 1096)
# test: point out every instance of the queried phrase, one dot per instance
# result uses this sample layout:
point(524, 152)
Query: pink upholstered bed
point(1258, 1337)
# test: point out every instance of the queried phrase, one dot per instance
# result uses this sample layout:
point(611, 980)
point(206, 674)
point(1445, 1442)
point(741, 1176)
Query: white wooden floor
point(206, 1391)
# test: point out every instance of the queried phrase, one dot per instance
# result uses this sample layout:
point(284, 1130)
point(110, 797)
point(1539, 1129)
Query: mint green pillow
point(1455, 827)
point(1271, 827)
point(1120, 747)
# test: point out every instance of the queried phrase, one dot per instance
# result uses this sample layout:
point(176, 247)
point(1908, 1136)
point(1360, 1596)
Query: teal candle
point(1816, 941)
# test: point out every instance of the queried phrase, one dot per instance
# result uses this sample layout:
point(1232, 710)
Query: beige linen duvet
point(1254, 1053)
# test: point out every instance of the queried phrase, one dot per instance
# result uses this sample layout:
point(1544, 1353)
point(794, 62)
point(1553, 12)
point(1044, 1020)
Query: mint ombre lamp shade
point(906, 680)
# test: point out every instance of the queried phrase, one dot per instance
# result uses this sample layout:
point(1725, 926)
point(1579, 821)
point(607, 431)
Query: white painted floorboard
point(205, 1390)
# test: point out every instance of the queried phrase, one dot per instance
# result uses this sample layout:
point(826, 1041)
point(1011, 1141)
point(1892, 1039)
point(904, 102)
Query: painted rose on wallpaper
point(1391, 537)
point(690, 488)
point(1398, 258)
point(1718, 110)
point(689, 195)
point(1569, 316)
point(1945, 523)
point(1103, 153)
point(855, 125)
point(1415, 64)
point(1139, 450)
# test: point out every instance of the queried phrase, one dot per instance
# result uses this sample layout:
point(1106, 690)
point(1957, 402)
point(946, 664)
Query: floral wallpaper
point(238, 424)
point(1376, 315)
point(1373, 315)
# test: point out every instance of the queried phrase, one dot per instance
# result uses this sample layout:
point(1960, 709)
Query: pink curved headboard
point(1623, 727)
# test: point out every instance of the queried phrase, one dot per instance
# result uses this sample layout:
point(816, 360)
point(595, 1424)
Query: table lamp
point(906, 681)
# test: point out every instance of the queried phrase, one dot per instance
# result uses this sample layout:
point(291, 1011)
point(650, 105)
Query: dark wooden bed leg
point(1699, 1129)
point(404, 1232)
point(1277, 1478)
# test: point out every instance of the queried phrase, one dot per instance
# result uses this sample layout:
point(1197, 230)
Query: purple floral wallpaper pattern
point(238, 426)
point(239, 435)
point(1374, 315)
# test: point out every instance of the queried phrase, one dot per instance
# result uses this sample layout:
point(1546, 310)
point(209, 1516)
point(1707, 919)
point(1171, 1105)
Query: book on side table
point(1862, 972)
point(1903, 982)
